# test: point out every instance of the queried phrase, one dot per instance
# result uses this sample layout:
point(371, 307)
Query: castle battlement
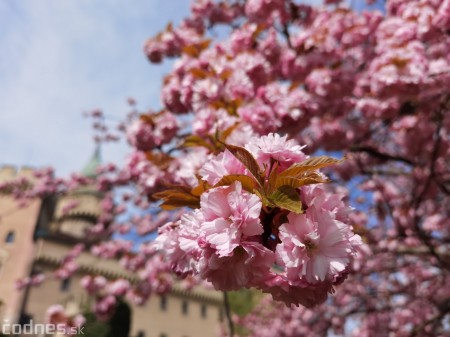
point(9, 172)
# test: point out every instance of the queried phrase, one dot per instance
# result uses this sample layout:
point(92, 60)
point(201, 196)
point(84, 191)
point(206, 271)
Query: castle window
point(140, 333)
point(163, 303)
point(65, 285)
point(203, 310)
point(10, 237)
point(184, 307)
point(162, 335)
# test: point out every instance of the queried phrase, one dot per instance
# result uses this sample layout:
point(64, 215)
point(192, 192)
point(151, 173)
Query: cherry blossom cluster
point(296, 249)
point(34, 280)
point(150, 131)
point(64, 321)
point(105, 293)
point(371, 84)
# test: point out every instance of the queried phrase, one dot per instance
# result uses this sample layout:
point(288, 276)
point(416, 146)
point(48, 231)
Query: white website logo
point(39, 329)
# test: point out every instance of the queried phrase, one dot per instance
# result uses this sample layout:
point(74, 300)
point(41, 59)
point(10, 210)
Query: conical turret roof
point(90, 170)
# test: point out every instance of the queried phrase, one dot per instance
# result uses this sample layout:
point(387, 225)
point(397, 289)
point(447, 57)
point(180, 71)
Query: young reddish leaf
point(202, 186)
point(224, 135)
point(232, 106)
point(248, 183)
point(272, 178)
point(193, 141)
point(311, 164)
point(225, 74)
point(199, 73)
point(176, 198)
point(147, 119)
point(287, 197)
point(160, 159)
point(174, 187)
point(295, 85)
point(175, 203)
point(310, 178)
point(247, 159)
point(313, 178)
point(194, 50)
point(191, 50)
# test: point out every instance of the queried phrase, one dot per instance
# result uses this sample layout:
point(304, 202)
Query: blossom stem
point(228, 313)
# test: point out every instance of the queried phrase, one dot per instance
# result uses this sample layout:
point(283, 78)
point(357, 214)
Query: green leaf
point(287, 197)
point(247, 159)
point(263, 198)
point(311, 164)
point(248, 183)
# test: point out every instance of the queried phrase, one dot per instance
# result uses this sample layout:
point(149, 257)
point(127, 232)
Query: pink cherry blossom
point(145, 135)
point(57, 315)
point(248, 265)
point(230, 215)
point(219, 166)
point(273, 146)
point(315, 247)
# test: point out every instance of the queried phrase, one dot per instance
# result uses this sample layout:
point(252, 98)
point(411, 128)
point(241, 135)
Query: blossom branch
point(380, 155)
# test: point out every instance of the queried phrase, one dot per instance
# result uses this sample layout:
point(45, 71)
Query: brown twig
point(426, 239)
point(380, 155)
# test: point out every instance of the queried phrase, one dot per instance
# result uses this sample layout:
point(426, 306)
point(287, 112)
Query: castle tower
point(17, 247)
point(76, 211)
point(46, 231)
point(29, 233)
point(72, 214)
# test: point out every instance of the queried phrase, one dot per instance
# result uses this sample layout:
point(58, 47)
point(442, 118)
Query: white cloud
point(59, 58)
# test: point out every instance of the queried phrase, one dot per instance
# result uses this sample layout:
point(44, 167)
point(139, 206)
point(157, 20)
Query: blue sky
point(59, 58)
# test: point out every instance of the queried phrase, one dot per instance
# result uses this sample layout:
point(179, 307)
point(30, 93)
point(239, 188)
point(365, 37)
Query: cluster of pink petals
point(104, 307)
point(317, 247)
point(146, 174)
point(219, 241)
point(225, 242)
point(93, 284)
point(274, 147)
point(219, 166)
point(112, 249)
point(229, 215)
point(68, 265)
point(145, 136)
point(35, 280)
point(157, 274)
point(106, 294)
point(57, 315)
